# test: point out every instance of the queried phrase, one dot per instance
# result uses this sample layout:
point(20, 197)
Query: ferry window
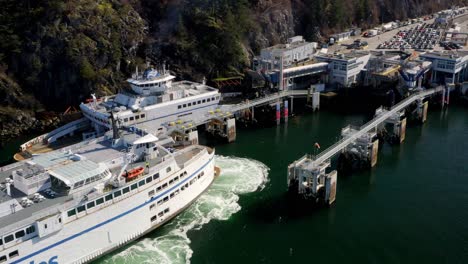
point(186, 185)
point(199, 176)
point(70, 213)
point(164, 185)
point(2, 258)
point(108, 197)
point(194, 103)
point(176, 192)
point(181, 175)
point(155, 176)
point(143, 115)
point(152, 206)
point(60, 220)
point(166, 210)
point(125, 120)
point(131, 118)
point(199, 101)
point(1, 241)
point(32, 229)
point(117, 194)
point(137, 117)
point(45, 226)
point(189, 104)
point(161, 214)
point(202, 173)
point(141, 183)
point(80, 209)
point(168, 169)
point(8, 239)
point(160, 202)
point(166, 199)
point(172, 195)
point(90, 205)
point(126, 190)
point(153, 218)
point(176, 178)
point(134, 186)
point(208, 99)
point(151, 193)
point(212, 99)
point(203, 101)
point(99, 201)
point(179, 107)
point(185, 105)
point(183, 188)
point(171, 181)
point(158, 189)
point(13, 254)
point(149, 179)
point(19, 234)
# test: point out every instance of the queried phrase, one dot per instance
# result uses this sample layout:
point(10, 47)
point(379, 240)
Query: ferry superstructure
point(78, 203)
point(154, 99)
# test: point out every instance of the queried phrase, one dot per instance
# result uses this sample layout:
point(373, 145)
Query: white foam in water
point(238, 176)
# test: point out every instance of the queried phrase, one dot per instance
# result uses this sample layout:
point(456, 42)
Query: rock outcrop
point(55, 53)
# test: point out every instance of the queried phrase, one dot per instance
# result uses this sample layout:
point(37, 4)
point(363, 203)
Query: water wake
point(171, 244)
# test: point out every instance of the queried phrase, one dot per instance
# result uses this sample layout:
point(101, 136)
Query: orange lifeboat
point(133, 174)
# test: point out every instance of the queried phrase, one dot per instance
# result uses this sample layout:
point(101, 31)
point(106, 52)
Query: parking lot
point(421, 36)
point(375, 41)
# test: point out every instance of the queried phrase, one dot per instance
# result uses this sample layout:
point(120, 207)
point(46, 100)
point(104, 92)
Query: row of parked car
point(450, 45)
point(422, 36)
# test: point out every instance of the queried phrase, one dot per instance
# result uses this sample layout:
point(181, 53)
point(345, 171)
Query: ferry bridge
point(222, 121)
point(308, 174)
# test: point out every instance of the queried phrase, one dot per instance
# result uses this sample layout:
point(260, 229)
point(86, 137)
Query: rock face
point(55, 53)
point(275, 22)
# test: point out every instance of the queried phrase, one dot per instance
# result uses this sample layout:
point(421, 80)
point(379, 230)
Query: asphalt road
point(386, 36)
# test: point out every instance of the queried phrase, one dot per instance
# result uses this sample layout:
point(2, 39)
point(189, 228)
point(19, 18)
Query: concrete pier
point(313, 99)
point(223, 127)
point(422, 110)
point(312, 181)
point(278, 113)
point(361, 153)
point(285, 111)
point(396, 127)
point(307, 176)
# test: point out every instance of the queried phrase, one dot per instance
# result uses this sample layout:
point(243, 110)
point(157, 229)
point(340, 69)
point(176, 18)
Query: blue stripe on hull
point(111, 219)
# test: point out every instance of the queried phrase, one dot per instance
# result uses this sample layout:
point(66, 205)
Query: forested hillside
point(54, 53)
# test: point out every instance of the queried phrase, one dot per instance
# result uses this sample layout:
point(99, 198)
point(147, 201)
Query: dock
point(308, 175)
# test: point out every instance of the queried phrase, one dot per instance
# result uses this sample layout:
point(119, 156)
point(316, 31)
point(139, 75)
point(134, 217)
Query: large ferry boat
point(75, 204)
point(153, 97)
point(152, 100)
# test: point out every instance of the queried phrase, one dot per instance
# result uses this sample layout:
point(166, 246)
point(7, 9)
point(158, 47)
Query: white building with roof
point(447, 67)
point(344, 69)
point(295, 50)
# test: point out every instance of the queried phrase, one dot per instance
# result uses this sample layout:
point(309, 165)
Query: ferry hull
point(94, 234)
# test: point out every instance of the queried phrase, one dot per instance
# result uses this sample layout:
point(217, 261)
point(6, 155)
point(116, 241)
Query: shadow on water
point(286, 207)
point(290, 207)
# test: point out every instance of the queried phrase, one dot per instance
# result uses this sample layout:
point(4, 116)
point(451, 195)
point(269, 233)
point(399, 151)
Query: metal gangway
point(372, 124)
point(263, 100)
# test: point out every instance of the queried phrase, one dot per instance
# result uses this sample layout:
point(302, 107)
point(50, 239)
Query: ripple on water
point(220, 201)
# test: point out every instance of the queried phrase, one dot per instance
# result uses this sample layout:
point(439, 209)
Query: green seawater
point(411, 208)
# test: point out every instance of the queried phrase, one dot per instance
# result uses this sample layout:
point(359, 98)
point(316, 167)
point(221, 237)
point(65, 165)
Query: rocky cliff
point(54, 53)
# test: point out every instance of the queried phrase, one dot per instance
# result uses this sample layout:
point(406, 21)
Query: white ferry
point(153, 98)
point(78, 203)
